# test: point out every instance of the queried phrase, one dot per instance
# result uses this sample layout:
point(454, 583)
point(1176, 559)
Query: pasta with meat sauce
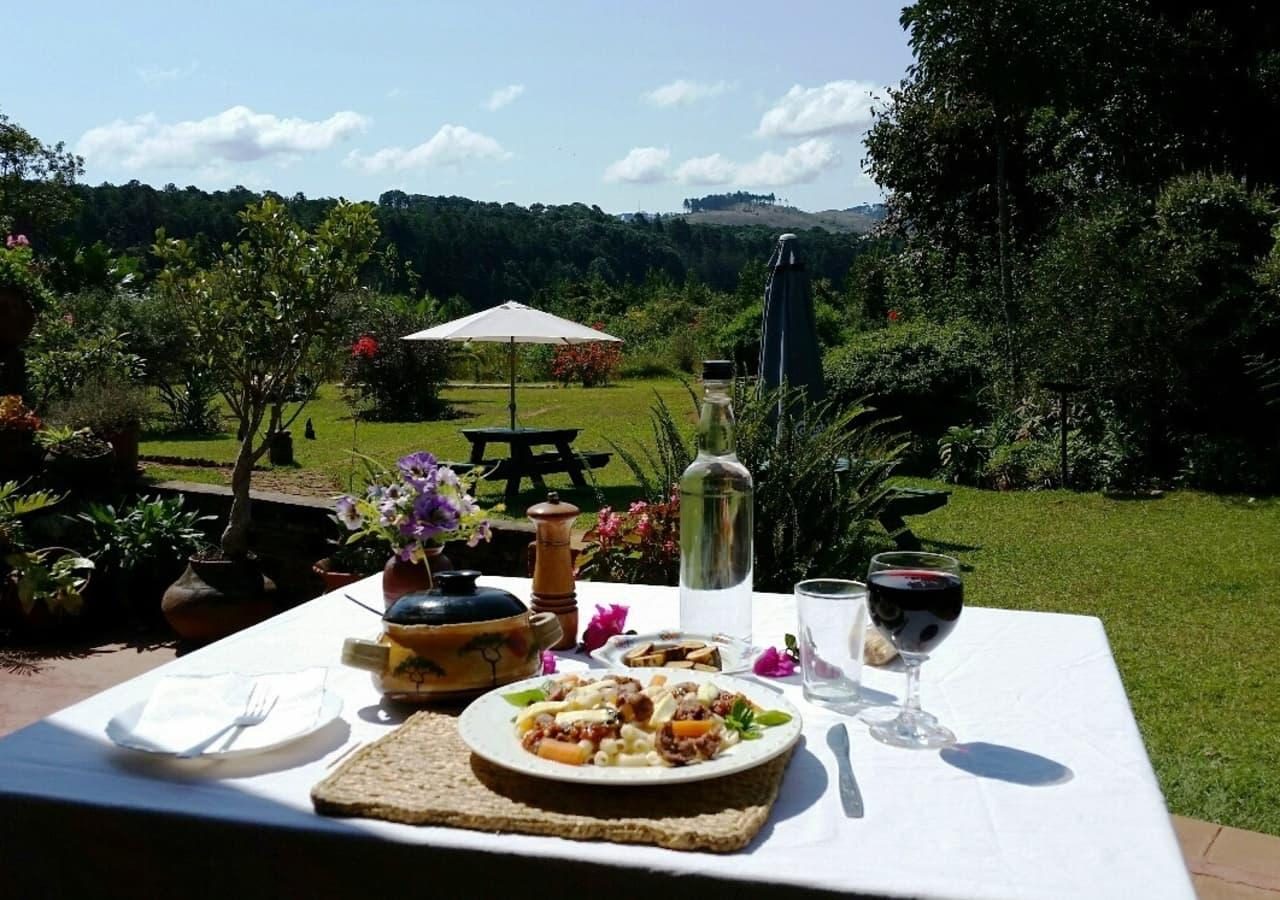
point(617, 721)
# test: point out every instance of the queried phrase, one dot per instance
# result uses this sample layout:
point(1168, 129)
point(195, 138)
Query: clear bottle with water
point(715, 520)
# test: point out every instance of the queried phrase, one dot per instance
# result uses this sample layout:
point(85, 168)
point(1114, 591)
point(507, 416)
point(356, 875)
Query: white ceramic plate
point(487, 726)
point(120, 730)
point(735, 655)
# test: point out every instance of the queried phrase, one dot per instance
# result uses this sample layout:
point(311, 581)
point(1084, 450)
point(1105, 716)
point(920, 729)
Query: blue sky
point(625, 105)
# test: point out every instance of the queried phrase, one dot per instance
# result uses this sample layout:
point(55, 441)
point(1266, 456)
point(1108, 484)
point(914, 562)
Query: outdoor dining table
point(1049, 793)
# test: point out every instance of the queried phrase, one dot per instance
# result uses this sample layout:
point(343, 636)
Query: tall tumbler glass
point(832, 625)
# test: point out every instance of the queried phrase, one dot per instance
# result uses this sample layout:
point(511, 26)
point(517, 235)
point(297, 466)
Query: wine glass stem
point(911, 702)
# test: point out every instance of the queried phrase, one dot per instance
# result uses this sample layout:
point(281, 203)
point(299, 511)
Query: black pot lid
point(455, 600)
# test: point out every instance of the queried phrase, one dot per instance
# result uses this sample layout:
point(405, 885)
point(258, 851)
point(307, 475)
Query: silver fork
point(256, 709)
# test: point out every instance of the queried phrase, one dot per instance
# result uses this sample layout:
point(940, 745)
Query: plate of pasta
point(624, 727)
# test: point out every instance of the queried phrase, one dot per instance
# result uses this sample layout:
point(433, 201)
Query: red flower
point(365, 348)
point(894, 315)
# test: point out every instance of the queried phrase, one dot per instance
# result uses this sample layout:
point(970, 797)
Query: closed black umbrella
point(789, 340)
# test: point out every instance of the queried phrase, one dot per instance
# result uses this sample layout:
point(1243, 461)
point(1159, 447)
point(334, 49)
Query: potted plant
point(113, 408)
point(415, 509)
point(77, 459)
point(142, 548)
point(18, 427)
point(351, 561)
point(48, 585)
point(257, 315)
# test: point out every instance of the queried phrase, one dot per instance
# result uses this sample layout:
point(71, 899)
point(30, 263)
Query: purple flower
point(548, 663)
point(607, 622)
point(421, 465)
point(348, 515)
point(773, 664)
point(17, 240)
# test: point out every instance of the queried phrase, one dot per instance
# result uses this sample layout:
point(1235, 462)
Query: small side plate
point(735, 655)
point(120, 730)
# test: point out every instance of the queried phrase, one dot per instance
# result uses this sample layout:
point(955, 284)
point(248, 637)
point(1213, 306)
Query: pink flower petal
point(772, 664)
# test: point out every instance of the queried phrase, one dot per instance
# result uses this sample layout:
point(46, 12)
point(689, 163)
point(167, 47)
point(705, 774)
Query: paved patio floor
point(1226, 863)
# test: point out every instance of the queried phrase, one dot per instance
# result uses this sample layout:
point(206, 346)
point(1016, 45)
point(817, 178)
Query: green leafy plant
point(63, 358)
point(18, 273)
point(149, 534)
point(16, 504)
point(639, 546)
point(819, 472)
point(52, 578)
point(963, 453)
point(72, 443)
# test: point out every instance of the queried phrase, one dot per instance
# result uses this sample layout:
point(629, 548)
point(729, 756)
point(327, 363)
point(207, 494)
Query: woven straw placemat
point(423, 774)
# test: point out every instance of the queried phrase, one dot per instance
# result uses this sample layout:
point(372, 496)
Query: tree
point(35, 181)
point(257, 314)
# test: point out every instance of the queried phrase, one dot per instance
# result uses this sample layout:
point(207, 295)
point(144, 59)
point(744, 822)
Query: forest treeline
point(486, 253)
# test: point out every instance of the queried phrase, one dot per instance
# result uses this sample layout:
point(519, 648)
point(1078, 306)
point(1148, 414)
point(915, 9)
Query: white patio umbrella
point(511, 324)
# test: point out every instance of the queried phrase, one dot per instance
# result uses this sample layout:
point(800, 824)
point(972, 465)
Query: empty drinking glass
point(832, 626)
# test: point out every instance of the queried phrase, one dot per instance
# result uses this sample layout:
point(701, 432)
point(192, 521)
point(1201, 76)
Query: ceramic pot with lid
point(453, 641)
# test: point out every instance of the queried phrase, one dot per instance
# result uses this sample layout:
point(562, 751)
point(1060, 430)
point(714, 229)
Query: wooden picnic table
point(523, 462)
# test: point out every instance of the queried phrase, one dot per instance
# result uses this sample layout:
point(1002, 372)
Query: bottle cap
point(717, 370)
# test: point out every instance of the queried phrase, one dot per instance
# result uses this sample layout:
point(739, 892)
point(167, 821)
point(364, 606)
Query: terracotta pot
point(125, 443)
point(17, 317)
point(333, 580)
point(217, 597)
point(400, 577)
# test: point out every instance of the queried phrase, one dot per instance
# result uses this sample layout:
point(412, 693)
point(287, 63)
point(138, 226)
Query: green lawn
point(1188, 586)
point(618, 412)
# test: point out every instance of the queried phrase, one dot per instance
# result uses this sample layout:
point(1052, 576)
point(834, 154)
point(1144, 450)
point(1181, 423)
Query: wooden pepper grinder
point(553, 586)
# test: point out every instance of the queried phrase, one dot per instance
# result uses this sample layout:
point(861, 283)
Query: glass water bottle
point(715, 520)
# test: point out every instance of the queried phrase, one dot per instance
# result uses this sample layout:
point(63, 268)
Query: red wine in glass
point(915, 608)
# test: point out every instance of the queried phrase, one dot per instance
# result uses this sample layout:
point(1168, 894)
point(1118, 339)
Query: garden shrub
point(963, 453)
point(811, 515)
point(386, 378)
point(928, 376)
point(592, 364)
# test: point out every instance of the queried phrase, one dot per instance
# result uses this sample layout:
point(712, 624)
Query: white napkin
point(184, 710)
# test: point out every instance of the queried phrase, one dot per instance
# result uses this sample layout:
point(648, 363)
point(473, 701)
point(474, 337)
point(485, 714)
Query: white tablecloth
point(1050, 795)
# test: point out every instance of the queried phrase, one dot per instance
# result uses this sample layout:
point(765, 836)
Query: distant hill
point(855, 220)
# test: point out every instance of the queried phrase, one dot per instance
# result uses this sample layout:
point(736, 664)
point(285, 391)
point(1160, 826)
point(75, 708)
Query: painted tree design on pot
point(489, 645)
point(417, 669)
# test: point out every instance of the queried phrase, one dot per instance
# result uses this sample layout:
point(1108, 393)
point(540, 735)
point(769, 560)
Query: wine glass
point(915, 600)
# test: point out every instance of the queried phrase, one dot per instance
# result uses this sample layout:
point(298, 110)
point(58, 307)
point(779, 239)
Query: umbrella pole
point(512, 405)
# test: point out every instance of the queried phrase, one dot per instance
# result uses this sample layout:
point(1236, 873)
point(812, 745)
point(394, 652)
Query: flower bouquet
point(415, 508)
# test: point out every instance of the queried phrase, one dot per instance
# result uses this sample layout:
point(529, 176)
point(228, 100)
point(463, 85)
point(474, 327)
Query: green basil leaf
point(773, 717)
point(524, 698)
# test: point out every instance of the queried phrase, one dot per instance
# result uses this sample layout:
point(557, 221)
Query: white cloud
point(796, 165)
point(395, 92)
point(643, 165)
point(451, 145)
point(236, 135)
point(153, 74)
point(502, 96)
point(836, 106)
point(801, 163)
point(684, 93)
point(713, 169)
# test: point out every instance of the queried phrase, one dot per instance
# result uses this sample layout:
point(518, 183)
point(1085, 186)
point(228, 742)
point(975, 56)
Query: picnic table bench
point(524, 461)
point(909, 502)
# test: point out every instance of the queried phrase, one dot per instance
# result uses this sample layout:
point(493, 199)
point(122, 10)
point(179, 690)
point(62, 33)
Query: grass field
point(1188, 586)
point(619, 412)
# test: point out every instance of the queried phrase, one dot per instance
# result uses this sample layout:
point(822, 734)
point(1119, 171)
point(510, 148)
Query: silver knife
point(850, 796)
